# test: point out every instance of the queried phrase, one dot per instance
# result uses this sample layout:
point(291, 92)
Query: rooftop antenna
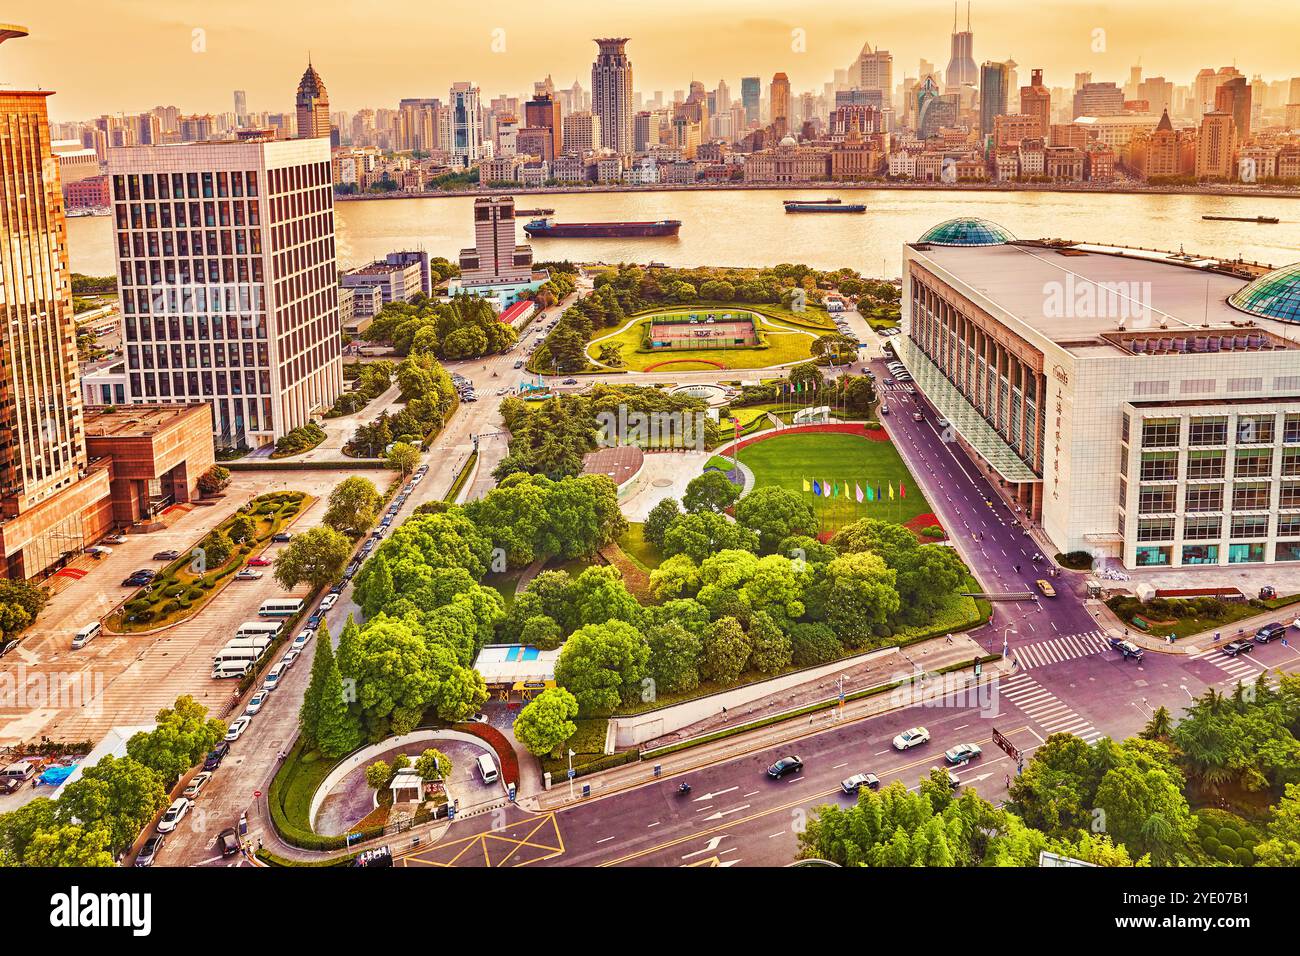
point(968, 16)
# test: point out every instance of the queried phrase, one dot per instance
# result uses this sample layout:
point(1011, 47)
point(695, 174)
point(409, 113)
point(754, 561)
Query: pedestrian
point(949, 639)
point(1217, 635)
point(1008, 780)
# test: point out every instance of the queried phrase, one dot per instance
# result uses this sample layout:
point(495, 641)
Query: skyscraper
point(1216, 146)
point(961, 63)
point(874, 70)
point(1036, 101)
point(496, 258)
point(993, 94)
point(313, 103)
point(751, 92)
point(611, 94)
point(241, 107)
point(465, 133)
point(779, 97)
point(252, 327)
point(543, 112)
point(1234, 96)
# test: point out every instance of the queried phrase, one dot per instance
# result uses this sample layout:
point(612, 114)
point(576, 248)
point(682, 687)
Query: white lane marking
point(606, 840)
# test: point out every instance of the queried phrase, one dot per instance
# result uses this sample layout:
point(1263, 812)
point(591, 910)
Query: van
point(85, 635)
point(280, 607)
point(252, 628)
point(487, 768)
point(16, 774)
point(231, 668)
point(273, 676)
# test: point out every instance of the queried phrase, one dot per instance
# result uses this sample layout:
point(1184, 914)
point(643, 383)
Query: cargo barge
point(824, 207)
point(1269, 220)
point(550, 229)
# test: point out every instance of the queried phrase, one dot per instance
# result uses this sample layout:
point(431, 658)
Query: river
point(750, 228)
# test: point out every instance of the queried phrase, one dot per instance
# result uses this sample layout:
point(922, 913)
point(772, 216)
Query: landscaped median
point(189, 582)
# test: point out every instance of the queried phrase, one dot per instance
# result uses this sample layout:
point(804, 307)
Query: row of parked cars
point(1269, 632)
point(464, 387)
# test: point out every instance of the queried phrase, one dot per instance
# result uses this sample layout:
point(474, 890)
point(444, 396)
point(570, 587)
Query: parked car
point(290, 656)
point(313, 622)
point(260, 562)
point(282, 537)
point(228, 840)
point(115, 539)
point(911, 738)
point(1269, 632)
point(166, 555)
point(237, 728)
point(328, 601)
point(1238, 647)
point(785, 765)
point(859, 780)
point(139, 578)
point(301, 640)
point(963, 753)
point(570, 381)
point(216, 755)
point(197, 783)
point(272, 680)
point(1127, 648)
point(7, 646)
point(149, 851)
point(249, 574)
point(174, 814)
point(1046, 588)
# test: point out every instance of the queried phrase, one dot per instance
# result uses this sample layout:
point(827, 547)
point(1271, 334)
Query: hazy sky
point(129, 55)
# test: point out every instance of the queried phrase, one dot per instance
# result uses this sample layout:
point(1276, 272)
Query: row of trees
point(465, 327)
point(429, 394)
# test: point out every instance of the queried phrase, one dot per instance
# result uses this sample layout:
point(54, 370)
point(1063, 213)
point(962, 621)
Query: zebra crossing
point(1068, 648)
point(896, 386)
point(1045, 708)
point(1239, 668)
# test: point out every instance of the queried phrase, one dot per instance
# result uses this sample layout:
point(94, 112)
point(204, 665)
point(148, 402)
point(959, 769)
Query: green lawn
point(789, 460)
point(636, 547)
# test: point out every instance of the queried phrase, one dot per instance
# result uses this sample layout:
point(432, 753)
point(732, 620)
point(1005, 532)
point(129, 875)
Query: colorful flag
point(857, 488)
point(902, 492)
point(806, 486)
point(891, 491)
point(817, 488)
point(871, 495)
point(835, 490)
point(880, 495)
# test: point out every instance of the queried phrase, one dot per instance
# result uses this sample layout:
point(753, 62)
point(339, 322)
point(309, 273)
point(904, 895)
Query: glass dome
point(1275, 295)
point(967, 232)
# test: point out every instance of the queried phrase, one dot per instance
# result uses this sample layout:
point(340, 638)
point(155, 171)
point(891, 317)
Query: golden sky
point(129, 55)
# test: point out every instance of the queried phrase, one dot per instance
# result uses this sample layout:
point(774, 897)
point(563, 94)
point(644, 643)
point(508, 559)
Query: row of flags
point(836, 489)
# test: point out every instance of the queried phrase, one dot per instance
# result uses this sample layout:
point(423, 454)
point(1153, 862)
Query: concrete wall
point(629, 731)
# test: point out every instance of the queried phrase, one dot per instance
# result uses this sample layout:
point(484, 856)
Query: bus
point(280, 607)
point(271, 629)
point(231, 669)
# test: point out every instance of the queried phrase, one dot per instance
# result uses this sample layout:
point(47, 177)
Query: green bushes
point(289, 799)
point(1075, 560)
point(302, 439)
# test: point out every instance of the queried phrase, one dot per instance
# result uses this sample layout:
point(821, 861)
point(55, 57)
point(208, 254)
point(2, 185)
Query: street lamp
point(1005, 644)
point(570, 774)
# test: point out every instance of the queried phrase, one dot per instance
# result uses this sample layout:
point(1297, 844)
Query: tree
point(120, 794)
point(433, 765)
point(379, 586)
point(1282, 848)
point(71, 845)
point(19, 826)
point(316, 556)
point(214, 480)
point(546, 723)
point(700, 535)
point(678, 576)
point(182, 736)
point(658, 520)
point(814, 642)
point(378, 775)
point(599, 595)
point(403, 458)
point(860, 597)
point(710, 491)
point(1159, 726)
point(726, 652)
point(243, 530)
point(353, 506)
point(461, 694)
point(772, 649)
point(396, 680)
point(217, 549)
point(20, 603)
point(775, 514)
point(603, 666)
point(674, 662)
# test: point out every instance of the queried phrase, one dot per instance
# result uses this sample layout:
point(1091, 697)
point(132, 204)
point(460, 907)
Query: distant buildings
point(1036, 101)
point(464, 139)
point(611, 94)
point(399, 277)
point(313, 104)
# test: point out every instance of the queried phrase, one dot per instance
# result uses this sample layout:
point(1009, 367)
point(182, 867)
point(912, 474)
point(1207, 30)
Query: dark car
point(166, 555)
point(1270, 632)
point(783, 766)
point(313, 622)
point(149, 852)
point(228, 841)
point(1238, 647)
point(859, 780)
point(216, 755)
point(7, 646)
point(137, 578)
point(282, 537)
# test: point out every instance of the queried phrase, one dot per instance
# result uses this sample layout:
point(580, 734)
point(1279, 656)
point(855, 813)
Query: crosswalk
point(896, 386)
point(1067, 648)
point(1045, 708)
point(1239, 668)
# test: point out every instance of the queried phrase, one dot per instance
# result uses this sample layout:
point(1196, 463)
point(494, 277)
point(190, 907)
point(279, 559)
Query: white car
point(328, 601)
point(911, 738)
point(301, 640)
point(175, 813)
point(196, 784)
point(237, 728)
point(290, 656)
point(248, 574)
point(255, 703)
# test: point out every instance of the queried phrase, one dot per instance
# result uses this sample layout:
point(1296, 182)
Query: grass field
point(786, 342)
point(788, 460)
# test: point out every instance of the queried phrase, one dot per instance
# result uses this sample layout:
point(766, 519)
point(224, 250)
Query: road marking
point(649, 825)
point(777, 834)
point(838, 765)
point(751, 793)
point(606, 840)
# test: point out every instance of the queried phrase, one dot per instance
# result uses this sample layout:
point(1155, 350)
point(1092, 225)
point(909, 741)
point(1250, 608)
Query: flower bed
point(497, 741)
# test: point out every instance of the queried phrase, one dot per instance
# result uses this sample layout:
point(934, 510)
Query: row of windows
point(1213, 430)
point(183, 245)
point(1211, 529)
point(180, 215)
point(137, 186)
point(1245, 496)
point(1244, 552)
point(153, 277)
point(1208, 465)
point(203, 356)
point(191, 385)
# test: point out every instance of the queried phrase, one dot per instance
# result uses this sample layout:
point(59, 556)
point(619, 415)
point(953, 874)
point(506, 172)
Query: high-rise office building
point(241, 107)
point(611, 94)
point(1234, 96)
point(543, 112)
point(874, 70)
point(228, 281)
point(581, 133)
point(779, 98)
point(751, 92)
point(961, 62)
point(1098, 99)
point(497, 258)
point(313, 103)
point(993, 94)
point(464, 138)
point(1036, 101)
point(1216, 146)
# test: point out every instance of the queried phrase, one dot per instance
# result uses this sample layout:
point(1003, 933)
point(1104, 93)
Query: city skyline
point(66, 54)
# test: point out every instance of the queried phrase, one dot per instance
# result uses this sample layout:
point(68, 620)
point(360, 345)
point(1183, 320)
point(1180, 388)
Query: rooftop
point(137, 420)
point(1084, 297)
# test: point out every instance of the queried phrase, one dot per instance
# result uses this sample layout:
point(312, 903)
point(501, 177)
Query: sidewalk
point(728, 748)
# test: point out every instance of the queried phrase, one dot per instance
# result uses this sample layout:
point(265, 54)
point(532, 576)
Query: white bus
point(256, 628)
point(280, 607)
point(250, 653)
point(231, 669)
point(257, 643)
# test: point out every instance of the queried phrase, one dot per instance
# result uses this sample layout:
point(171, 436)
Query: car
point(228, 841)
point(313, 622)
point(917, 417)
point(173, 815)
point(260, 562)
point(963, 753)
point(479, 718)
point(237, 728)
point(282, 537)
point(884, 409)
point(910, 389)
point(272, 680)
point(911, 738)
point(941, 422)
point(139, 578)
point(393, 509)
point(328, 601)
point(249, 574)
point(301, 640)
point(953, 780)
point(290, 656)
point(166, 555)
point(1270, 631)
point(336, 588)
point(785, 765)
point(1046, 588)
point(196, 785)
point(1127, 649)
point(519, 364)
point(115, 539)
point(216, 755)
point(149, 851)
point(859, 780)
point(1238, 647)
point(7, 646)
point(570, 381)
point(888, 380)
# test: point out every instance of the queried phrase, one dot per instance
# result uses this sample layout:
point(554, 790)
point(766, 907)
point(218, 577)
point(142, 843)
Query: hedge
point(498, 742)
point(290, 804)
